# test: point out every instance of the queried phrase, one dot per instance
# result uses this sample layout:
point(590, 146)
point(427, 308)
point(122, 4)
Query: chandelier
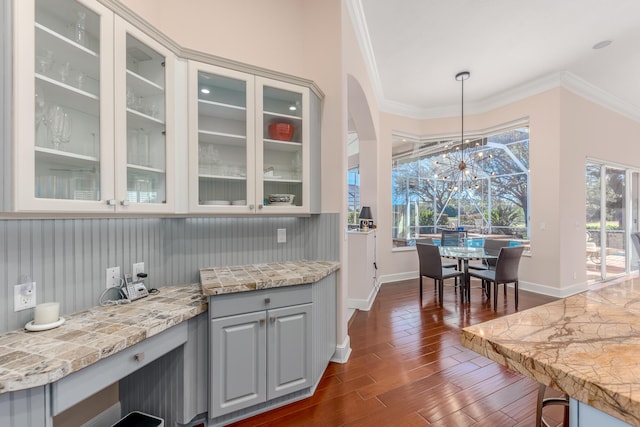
point(460, 165)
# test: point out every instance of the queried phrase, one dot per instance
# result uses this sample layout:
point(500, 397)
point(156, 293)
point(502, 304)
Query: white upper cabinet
point(109, 120)
point(143, 79)
point(73, 122)
point(248, 143)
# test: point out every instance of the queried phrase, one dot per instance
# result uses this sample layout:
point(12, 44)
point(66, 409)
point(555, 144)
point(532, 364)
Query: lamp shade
point(365, 213)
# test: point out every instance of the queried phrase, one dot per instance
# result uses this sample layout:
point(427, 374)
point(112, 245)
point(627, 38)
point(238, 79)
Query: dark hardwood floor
point(408, 368)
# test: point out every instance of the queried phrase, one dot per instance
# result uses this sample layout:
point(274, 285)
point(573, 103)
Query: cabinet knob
point(252, 207)
point(267, 300)
point(261, 322)
point(111, 202)
point(260, 206)
point(273, 319)
point(139, 357)
point(124, 202)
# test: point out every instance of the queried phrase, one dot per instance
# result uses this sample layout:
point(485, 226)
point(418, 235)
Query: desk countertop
point(587, 345)
point(31, 359)
point(243, 278)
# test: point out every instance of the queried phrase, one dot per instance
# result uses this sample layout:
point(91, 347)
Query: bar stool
point(551, 401)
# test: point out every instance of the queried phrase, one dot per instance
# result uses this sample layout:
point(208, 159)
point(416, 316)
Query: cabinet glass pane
point(146, 143)
point(282, 145)
point(222, 140)
point(67, 101)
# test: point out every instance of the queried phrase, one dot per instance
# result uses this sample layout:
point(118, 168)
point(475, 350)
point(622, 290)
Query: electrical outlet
point(113, 277)
point(24, 296)
point(282, 235)
point(138, 267)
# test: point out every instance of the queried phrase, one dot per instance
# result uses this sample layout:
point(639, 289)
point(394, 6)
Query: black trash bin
point(139, 419)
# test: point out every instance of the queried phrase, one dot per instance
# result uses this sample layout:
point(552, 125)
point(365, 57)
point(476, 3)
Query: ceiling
point(512, 48)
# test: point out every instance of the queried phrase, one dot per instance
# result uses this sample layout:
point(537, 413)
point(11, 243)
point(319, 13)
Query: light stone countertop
point(31, 359)
point(244, 278)
point(586, 345)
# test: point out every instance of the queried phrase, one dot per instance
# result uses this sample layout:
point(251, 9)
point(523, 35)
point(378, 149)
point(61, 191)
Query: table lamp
point(366, 219)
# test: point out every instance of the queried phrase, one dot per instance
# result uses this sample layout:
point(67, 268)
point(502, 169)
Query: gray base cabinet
point(260, 355)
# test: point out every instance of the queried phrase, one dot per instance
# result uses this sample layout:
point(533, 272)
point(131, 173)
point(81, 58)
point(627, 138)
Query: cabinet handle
point(261, 322)
point(267, 300)
point(252, 207)
point(124, 202)
point(111, 202)
point(273, 319)
point(139, 357)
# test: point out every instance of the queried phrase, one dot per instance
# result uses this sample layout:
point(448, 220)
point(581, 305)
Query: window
point(353, 204)
point(481, 185)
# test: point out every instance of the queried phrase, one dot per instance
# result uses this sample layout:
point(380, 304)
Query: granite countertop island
point(244, 278)
point(586, 345)
point(31, 359)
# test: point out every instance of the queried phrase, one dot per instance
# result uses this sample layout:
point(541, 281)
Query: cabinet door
point(238, 362)
point(144, 72)
point(289, 350)
point(282, 147)
point(221, 140)
point(63, 106)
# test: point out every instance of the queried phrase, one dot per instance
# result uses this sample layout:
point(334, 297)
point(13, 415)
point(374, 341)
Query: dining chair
point(506, 272)
point(431, 266)
point(445, 264)
point(491, 247)
point(453, 237)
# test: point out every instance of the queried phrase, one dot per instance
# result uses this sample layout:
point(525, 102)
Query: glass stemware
point(40, 116)
point(45, 61)
point(64, 70)
point(60, 125)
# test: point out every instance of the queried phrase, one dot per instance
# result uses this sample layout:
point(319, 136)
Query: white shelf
point(72, 160)
point(223, 177)
point(220, 138)
point(220, 110)
point(69, 96)
point(282, 116)
point(146, 169)
point(136, 119)
point(275, 145)
point(143, 86)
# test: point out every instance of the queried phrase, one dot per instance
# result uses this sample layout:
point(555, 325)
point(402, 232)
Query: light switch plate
point(282, 235)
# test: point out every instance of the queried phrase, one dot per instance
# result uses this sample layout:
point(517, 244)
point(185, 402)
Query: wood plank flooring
point(408, 368)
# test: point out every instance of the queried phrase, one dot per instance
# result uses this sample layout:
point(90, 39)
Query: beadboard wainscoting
point(67, 258)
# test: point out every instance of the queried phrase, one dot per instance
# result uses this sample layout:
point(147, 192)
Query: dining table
point(464, 254)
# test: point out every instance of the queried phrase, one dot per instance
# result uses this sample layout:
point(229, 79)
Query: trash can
point(139, 419)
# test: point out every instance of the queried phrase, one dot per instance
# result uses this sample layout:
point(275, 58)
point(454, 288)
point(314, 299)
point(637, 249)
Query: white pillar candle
point(46, 313)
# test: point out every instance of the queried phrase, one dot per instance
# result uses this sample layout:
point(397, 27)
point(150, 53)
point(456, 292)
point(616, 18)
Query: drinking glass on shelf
point(131, 97)
point(45, 61)
point(80, 79)
point(64, 71)
point(60, 125)
point(80, 35)
point(143, 148)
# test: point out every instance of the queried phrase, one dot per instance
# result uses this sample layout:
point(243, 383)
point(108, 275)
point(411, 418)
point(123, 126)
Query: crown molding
point(598, 96)
point(356, 12)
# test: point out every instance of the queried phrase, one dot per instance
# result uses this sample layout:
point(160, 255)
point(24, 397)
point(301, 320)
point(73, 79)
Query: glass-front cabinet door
point(222, 148)
point(144, 70)
point(282, 149)
point(63, 105)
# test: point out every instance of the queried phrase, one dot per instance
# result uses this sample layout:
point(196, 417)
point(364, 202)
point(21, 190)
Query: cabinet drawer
point(78, 386)
point(246, 302)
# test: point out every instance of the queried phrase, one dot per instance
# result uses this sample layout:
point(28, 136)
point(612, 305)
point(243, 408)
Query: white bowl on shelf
point(280, 199)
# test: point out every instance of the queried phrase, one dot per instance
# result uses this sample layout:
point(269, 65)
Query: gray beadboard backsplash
point(67, 258)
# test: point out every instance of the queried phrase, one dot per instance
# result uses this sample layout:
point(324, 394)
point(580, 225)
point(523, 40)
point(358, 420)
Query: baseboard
point(363, 304)
point(343, 351)
point(552, 291)
point(398, 277)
